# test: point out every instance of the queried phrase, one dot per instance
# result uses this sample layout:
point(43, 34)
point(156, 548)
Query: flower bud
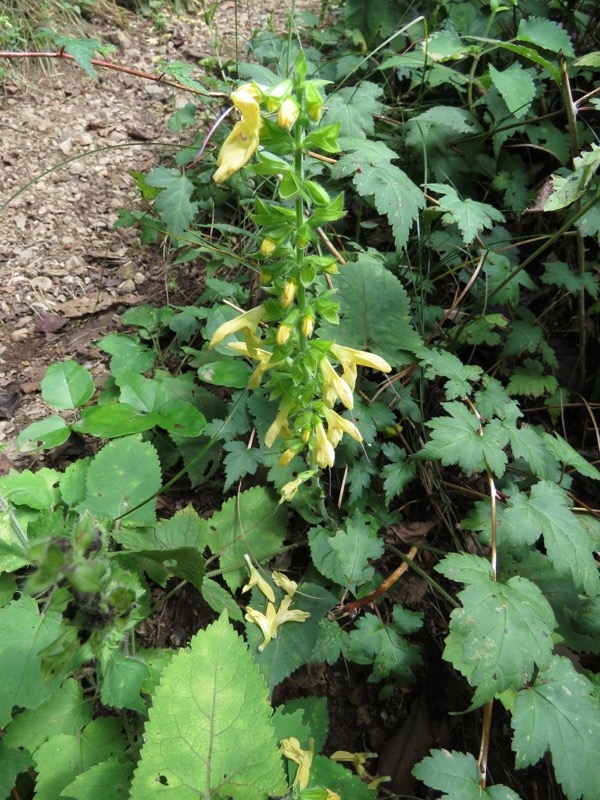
point(314, 101)
point(290, 287)
point(267, 247)
point(288, 113)
point(306, 435)
point(286, 457)
point(308, 324)
point(283, 334)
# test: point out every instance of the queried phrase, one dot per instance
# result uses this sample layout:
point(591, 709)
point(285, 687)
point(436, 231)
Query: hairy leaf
point(516, 86)
point(109, 780)
point(354, 108)
point(559, 713)
point(374, 642)
point(545, 34)
point(457, 775)
point(471, 216)
point(209, 733)
point(459, 376)
point(173, 204)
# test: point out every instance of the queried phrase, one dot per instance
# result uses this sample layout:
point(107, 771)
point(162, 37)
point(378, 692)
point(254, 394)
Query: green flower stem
point(299, 170)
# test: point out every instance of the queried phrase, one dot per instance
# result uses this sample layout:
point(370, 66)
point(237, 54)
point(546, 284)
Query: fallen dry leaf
point(411, 531)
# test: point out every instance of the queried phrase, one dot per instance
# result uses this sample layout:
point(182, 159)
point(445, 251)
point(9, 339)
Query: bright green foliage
point(441, 363)
point(13, 762)
point(516, 86)
point(559, 713)
point(568, 543)
point(209, 730)
point(374, 642)
point(83, 51)
point(252, 522)
point(47, 433)
point(312, 716)
point(456, 439)
point(109, 780)
point(64, 757)
point(240, 461)
point(502, 630)
point(326, 772)
point(135, 465)
point(369, 294)
point(354, 108)
point(562, 451)
point(458, 776)
point(67, 385)
point(354, 546)
point(173, 204)
point(127, 354)
point(471, 216)
point(25, 635)
point(546, 34)
point(398, 472)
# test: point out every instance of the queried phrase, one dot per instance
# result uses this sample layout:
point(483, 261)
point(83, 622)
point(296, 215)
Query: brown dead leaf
point(92, 304)
point(49, 323)
point(411, 531)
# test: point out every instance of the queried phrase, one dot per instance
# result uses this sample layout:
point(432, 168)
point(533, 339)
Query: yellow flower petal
point(285, 614)
point(349, 357)
point(277, 425)
point(291, 749)
point(324, 454)
point(248, 320)
point(243, 140)
point(256, 579)
point(334, 386)
point(264, 621)
point(337, 426)
point(288, 113)
point(289, 586)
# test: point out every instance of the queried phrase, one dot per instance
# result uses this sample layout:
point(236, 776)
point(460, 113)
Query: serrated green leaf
point(545, 34)
point(127, 354)
point(174, 203)
point(65, 711)
point(355, 545)
point(114, 420)
point(516, 86)
point(121, 682)
point(566, 190)
point(560, 714)
point(354, 108)
point(14, 761)
point(65, 756)
point(183, 73)
point(456, 439)
point(82, 50)
point(529, 380)
point(125, 472)
point(442, 363)
point(375, 312)
point(471, 216)
point(72, 481)
point(398, 473)
point(239, 462)
point(25, 633)
point(502, 631)
point(557, 273)
point(252, 522)
point(327, 772)
point(458, 776)
point(383, 645)
point(47, 433)
point(109, 780)
point(226, 748)
point(331, 642)
point(314, 717)
point(34, 489)
point(569, 544)
point(562, 451)
point(220, 600)
point(67, 385)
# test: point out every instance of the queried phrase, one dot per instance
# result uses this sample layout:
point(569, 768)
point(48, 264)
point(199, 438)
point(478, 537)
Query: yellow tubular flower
point(324, 453)
point(288, 113)
point(277, 425)
point(249, 321)
point(334, 386)
point(291, 488)
point(242, 142)
point(266, 622)
point(290, 288)
point(285, 615)
point(337, 426)
point(308, 325)
point(286, 457)
point(356, 759)
point(349, 357)
point(256, 579)
point(291, 749)
point(283, 334)
point(267, 247)
point(289, 586)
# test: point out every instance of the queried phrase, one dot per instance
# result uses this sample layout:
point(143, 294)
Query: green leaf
point(113, 420)
point(82, 50)
point(327, 772)
point(355, 545)
point(180, 417)
point(125, 473)
point(516, 86)
point(354, 108)
point(295, 641)
point(231, 373)
point(382, 644)
point(315, 718)
point(560, 714)
point(183, 118)
point(456, 439)
point(34, 489)
point(65, 711)
point(444, 364)
point(331, 643)
point(121, 682)
point(471, 216)
point(67, 385)
point(47, 433)
point(138, 392)
point(13, 762)
point(529, 380)
point(220, 600)
point(252, 522)
point(375, 312)
point(25, 633)
point(545, 34)
point(239, 462)
point(562, 451)
point(502, 631)
point(65, 756)
point(569, 544)
point(567, 190)
point(173, 204)
point(398, 473)
point(226, 748)
point(458, 776)
point(109, 780)
point(557, 273)
point(127, 354)
point(182, 72)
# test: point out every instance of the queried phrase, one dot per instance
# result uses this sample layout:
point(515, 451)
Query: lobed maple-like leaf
point(471, 216)
point(458, 776)
point(174, 203)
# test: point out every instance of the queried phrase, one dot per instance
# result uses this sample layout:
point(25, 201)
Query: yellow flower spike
point(240, 145)
point(288, 113)
point(256, 579)
point(248, 321)
point(290, 287)
point(324, 454)
point(266, 622)
point(291, 749)
point(337, 426)
point(289, 586)
point(334, 386)
point(277, 425)
point(283, 334)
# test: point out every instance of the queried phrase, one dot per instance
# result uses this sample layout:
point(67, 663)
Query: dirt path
point(65, 273)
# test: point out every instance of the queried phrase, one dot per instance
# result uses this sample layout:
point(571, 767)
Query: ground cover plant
point(391, 372)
